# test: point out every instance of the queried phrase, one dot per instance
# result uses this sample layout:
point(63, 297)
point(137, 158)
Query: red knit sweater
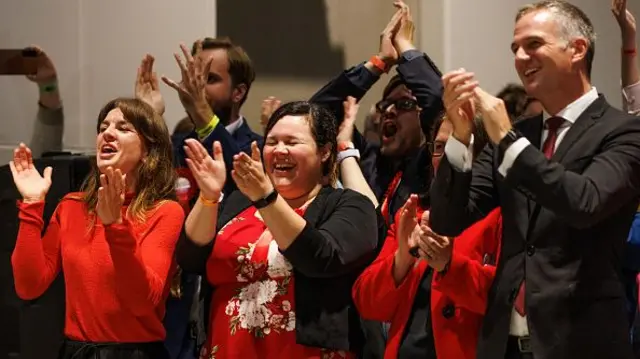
point(117, 277)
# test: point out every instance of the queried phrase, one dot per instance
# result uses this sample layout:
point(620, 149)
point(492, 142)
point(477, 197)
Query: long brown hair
point(155, 176)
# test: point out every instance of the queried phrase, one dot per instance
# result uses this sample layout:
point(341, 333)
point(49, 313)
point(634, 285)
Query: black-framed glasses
point(401, 104)
point(436, 148)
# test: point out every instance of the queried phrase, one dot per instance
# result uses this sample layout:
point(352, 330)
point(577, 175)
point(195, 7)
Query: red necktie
point(549, 146)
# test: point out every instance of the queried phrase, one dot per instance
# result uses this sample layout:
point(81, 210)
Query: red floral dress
point(253, 305)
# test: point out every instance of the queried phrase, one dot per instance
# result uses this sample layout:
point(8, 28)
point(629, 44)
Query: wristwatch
point(511, 137)
point(267, 200)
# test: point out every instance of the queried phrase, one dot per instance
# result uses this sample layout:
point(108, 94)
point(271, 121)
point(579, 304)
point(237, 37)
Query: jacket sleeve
point(423, 78)
point(340, 245)
point(468, 279)
point(375, 293)
point(582, 200)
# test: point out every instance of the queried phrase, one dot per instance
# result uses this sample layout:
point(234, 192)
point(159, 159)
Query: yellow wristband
point(206, 131)
point(210, 203)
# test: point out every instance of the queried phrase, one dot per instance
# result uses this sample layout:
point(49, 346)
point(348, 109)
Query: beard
point(224, 113)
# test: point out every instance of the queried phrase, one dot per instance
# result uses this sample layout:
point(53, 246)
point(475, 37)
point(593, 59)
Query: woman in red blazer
point(385, 292)
point(458, 297)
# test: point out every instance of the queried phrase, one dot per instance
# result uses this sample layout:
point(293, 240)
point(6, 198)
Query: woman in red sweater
point(435, 306)
point(115, 240)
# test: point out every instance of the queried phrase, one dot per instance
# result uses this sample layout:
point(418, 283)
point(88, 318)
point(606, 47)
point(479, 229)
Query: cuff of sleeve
point(511, 154)
point(459, 155)
point(410, 55)
point(206, 131)
point(362, 76)
point(630, 94)
point(120, 234)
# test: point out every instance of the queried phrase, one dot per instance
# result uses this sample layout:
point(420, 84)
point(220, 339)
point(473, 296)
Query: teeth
point(530, 71)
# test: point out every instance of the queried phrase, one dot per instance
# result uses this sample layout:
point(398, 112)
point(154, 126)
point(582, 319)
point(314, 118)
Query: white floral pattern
point(257, 307)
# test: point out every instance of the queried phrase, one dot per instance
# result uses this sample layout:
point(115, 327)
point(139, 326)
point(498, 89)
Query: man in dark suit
point(568, 183)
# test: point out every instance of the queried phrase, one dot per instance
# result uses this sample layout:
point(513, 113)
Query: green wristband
point(48, 87)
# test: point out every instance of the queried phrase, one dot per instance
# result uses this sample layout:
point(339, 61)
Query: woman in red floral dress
point(288, 247)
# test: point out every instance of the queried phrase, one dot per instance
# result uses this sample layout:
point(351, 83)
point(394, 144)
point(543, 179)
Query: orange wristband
point(629, 51)
point(379, 64)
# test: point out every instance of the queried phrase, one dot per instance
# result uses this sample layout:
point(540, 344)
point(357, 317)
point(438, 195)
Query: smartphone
point(18, 61)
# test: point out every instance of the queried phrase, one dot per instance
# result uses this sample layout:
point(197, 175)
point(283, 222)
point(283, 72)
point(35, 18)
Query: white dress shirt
point(461, 158)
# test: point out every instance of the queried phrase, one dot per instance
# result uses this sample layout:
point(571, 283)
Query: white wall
point(96, 46)
point(476, 35)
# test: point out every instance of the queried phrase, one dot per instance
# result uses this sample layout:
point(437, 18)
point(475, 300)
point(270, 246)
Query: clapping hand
point(436, 249)
point(248, 173)
point(458, 102)
point(147, 88)
point(32, 186)
point(191, 89)
point(403, 37)
point(269, 106)
point(406, 226)
point(111, 196)
point(495, 118)
point(210, 173)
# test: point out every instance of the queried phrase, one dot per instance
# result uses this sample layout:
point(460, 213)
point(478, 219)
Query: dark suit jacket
point(564, 228)
point(338, 242)
point(244, 136)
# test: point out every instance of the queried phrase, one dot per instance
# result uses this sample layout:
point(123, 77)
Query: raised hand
point(407, 224)
point(147, 87)
point(111, 196)
point(458, 102)
point(269, 106)
point(248, 173)
point(387, 51)
point(46, 71)
point(625, 18)
point(209, 173)
point(345, 132)
point(494, 115)
point(32, 186)
point(403, 38)
point(191, 89)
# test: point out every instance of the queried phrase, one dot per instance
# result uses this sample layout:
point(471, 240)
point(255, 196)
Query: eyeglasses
point(401, 104)
point(436, 148)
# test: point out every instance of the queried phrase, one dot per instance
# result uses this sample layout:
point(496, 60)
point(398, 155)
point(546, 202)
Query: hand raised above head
point(403, 38)
point(147, 87)
point(209, 172)
point(269, 106)
point(191, 89)
point(345, 132)
point(32, 186)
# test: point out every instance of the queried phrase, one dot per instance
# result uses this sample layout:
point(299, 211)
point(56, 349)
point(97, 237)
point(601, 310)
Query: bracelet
point(629, 51)
point(379, 64)
point(352, 152)
point(208, 202)
point(206, 131)
point(48, 87)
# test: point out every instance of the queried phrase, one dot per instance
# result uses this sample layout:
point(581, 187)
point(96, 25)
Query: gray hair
point(573, 21)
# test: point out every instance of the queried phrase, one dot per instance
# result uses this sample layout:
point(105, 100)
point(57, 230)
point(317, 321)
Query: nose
point(521, 54)
point(109, 133)
point(280, 148)
point(390, 112)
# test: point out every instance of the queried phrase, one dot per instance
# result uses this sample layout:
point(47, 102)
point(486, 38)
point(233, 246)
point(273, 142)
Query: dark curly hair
point(323, 129)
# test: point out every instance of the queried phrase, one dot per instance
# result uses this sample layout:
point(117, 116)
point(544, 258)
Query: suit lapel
point(586, 120)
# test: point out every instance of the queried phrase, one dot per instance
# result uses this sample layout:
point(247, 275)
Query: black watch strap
point(267, 200)
point(511, 137)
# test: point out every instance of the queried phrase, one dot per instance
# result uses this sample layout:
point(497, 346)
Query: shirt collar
point(576, 108)
point(235, 125)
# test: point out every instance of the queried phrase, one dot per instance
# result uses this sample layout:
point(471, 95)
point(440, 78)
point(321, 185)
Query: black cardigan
point(338, 242)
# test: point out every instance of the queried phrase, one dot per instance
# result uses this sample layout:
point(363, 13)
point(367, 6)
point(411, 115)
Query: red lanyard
point(391, 190)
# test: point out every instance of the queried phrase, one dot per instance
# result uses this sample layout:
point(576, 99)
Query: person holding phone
point(115, 239)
